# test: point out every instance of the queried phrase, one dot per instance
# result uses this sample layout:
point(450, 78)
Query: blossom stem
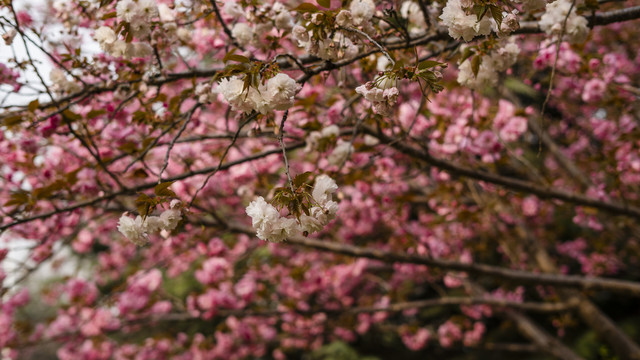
point(284, 150)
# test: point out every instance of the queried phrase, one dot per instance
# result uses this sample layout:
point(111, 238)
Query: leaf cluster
point(295, 198)
point(147, 204)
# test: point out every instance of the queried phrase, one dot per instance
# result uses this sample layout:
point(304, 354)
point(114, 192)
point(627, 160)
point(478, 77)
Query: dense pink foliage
point(114, 120)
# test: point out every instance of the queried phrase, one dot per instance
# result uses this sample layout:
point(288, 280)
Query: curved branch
point(519, 276)
point(508, 182)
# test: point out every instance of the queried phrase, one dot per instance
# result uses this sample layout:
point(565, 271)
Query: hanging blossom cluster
point(411, 11)
point(461, 24)
point(498, 60)
point(277, 93)
point(552, 21)
point(382, 93)
point(270, 226)
point(61, 84)
point(260, 20)
point(335, 45)
point(137, 230)
point(139, 16)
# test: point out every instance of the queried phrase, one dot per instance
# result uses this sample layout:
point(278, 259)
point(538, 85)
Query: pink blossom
point(594, 90)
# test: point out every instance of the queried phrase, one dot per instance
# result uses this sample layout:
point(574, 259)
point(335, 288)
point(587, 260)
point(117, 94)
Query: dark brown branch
point(148, 185)
point(540, 337)
point(508, 182)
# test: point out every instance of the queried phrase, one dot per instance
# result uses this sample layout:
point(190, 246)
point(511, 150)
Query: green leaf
point(12, 120)
point(237, 58)
point(300, 179)
point(139, 174)
point(468, 52)
point(139, 116)
point(95, 113)
point(18, 198)
point(480, 11)
point(145, 204)
point(33, 106)
point(306, 7)
point(162, 189)
point(72, 177)
point(70, 115)
point(475, 64)
point(496, 13)
point(324, 3)
point(427, 64)
point(109, 15)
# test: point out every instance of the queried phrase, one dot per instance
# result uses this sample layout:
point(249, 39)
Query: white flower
point(260, 100)
point(140, 28)
point(269, 225)
point(140, 49)
point(510, 23)
point(362, 11)
point(341, 152)
point(281, 91)
point(284, 21)
point(148, 8)
point(323, 187)
point(60, 82)
point(383, 63)
point(371, 140)
point(301, 34)
point(9, 36)
point(127, 10)
point(133, 230)
point(232, 91)
point(170, 219)
point(411, 11)
point(152, 224)
point(165, 13)
point(242, 33)
point(331, 130)
point(232, 8)
point(314, 137)
point(462, 25)
point(344, 18)
point(261, 212)
point(57, 76)
point(555, 15)
point(282, 229)
point(500, 59)
point(310, 224)
point(326, 213)
point(381, 93)
point(105, 36)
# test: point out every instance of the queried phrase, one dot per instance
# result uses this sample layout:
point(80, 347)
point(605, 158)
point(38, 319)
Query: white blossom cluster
point(341, 46)
point(137, 230)
point(461, 25)
point(61, 84)
point(260, 20)
point(342, 150)
point(314, 137)
point(139, 15)
point(554, 17)
point(382, 94)
point(411, 11)
point(499, 60)
point(270, 226)
point(278, 93)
